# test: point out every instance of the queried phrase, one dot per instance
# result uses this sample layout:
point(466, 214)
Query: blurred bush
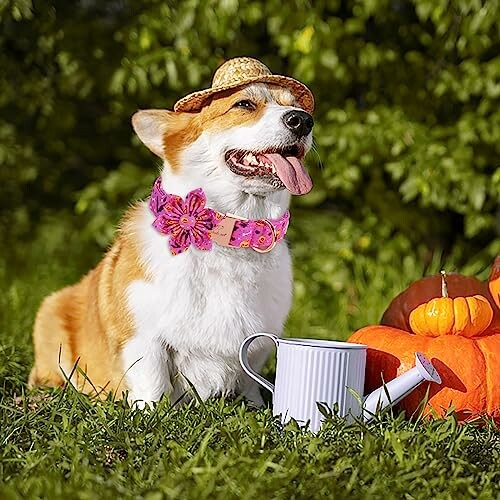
point(408, 122)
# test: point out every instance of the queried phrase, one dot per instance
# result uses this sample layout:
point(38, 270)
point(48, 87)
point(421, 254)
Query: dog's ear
point(150, 125)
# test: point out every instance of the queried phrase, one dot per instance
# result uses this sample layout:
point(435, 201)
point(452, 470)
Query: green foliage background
point(407, 180)
point(408, 116)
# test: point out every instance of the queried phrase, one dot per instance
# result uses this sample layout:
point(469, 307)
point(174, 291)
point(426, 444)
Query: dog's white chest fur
point(195, 311)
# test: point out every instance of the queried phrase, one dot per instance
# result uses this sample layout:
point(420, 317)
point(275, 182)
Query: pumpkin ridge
point(487, 322)
point(426, 312)
point(445, 316)
point(463, 316)
point(488, 386)
point(474, 312)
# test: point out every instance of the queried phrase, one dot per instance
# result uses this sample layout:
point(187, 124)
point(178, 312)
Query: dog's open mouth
point(283, 167)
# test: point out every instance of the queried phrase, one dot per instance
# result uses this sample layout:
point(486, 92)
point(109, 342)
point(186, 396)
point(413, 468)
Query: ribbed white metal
point(307, 373)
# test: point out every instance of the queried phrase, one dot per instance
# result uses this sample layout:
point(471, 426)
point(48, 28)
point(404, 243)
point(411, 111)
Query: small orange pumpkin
point(465, 316)
point(423, 290)
point(465, 351)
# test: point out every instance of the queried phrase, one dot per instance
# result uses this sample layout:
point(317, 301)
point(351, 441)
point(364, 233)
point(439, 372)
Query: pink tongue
point(291, 172)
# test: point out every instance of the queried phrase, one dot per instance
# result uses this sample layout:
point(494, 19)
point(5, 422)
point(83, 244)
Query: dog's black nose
point(299, 122)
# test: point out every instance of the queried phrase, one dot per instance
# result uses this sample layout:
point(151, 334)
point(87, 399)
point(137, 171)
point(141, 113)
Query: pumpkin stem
point(444, 285)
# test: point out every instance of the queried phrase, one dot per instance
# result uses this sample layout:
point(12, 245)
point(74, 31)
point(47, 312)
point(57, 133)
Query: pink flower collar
point(189, 222)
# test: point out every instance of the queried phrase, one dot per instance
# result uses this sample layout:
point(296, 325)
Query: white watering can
point(310, 371)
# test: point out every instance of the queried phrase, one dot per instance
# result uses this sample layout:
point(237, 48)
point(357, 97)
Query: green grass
point(60, 444)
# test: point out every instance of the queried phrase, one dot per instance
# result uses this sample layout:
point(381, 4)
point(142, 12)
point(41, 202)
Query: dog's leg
point(250, 391)
point(51, 340)
point(147, 371)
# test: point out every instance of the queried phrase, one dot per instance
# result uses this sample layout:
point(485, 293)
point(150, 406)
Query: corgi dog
point(161, 316)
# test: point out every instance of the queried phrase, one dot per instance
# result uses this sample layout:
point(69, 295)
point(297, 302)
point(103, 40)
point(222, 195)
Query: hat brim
point(195, 101)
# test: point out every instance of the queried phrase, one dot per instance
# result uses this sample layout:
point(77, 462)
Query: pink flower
point(187, 222)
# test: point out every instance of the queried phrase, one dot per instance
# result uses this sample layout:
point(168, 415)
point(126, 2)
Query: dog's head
point(253, 138)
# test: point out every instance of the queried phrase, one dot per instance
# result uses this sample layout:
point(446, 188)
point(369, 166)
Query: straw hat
point(242, 71)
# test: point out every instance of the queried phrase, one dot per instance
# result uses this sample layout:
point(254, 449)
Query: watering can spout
point(395, 390)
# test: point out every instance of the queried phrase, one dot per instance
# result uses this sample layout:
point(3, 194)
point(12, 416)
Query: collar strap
point(190, 222)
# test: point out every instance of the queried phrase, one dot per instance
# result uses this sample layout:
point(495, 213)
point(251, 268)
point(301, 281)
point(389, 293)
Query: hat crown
point(239, 69)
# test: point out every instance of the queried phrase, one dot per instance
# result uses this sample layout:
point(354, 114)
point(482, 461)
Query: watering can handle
point(245, 364)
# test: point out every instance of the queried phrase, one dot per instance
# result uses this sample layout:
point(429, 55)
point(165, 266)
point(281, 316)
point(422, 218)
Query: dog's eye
point(246, 104)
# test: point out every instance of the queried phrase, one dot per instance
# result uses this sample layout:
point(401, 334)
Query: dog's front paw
point(139, 403)
point(254, 400)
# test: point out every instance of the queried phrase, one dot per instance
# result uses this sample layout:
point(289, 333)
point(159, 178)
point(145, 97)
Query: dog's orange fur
point(88, 323)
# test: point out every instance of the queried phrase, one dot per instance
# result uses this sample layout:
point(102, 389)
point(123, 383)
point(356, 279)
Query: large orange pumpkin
point(469, 366)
